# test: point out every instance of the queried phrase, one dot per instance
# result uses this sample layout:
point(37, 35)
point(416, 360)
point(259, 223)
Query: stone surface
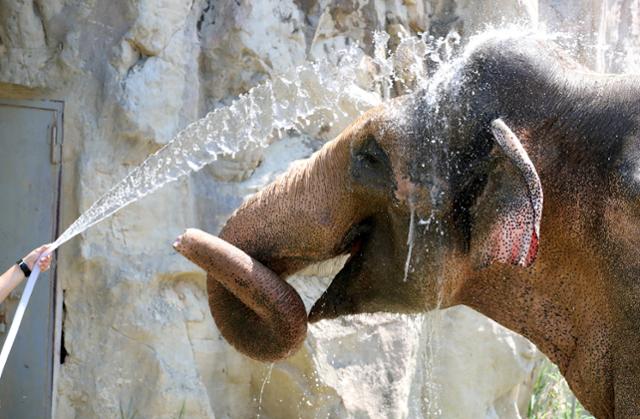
point(138, 334)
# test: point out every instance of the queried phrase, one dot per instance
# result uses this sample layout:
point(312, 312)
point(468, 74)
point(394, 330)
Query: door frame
point(55, 144)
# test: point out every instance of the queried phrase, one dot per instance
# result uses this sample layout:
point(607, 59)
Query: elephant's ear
point(506, 226)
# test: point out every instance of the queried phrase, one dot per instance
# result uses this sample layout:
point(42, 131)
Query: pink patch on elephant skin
point(513, 238)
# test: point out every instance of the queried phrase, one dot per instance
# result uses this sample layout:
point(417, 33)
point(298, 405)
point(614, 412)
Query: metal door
point(30, 138)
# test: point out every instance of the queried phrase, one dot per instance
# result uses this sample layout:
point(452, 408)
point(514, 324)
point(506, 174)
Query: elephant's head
point(403, 193)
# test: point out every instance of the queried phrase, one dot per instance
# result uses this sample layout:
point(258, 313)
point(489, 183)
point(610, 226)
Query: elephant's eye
point(368, 158)
point(371, 165)
point(370, 153)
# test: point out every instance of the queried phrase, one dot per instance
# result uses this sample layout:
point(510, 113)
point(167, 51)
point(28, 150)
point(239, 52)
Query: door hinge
point(56, 147)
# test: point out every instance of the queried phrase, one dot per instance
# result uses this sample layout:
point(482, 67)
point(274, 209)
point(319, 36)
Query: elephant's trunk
point(262, 315)
point(301, 218)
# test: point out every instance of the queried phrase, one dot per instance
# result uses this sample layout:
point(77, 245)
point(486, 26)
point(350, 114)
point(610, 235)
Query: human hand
point(32, 258)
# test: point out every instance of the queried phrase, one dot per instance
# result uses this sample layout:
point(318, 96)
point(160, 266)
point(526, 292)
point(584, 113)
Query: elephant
point(510, 184)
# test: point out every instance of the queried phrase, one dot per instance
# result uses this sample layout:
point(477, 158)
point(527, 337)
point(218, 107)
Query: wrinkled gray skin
point(473, 185)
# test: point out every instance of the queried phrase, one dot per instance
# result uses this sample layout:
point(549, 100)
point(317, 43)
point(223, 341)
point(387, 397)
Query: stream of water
point(314, 90)
point(265, 381)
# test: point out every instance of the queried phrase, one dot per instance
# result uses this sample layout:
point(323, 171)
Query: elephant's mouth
point(355, 237)
point(335, 301)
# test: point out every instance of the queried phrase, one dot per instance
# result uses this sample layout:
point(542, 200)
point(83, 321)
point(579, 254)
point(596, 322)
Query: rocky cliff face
point(138, 336)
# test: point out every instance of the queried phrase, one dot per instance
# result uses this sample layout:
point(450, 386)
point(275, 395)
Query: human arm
point(14, 275)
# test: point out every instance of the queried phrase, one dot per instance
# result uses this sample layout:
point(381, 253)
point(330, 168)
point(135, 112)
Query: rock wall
point(138, 336)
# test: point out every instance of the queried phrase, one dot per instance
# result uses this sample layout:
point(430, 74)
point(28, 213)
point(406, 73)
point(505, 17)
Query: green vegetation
point(552, 398)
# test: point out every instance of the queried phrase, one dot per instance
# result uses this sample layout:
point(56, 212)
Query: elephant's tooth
point(326, 268)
